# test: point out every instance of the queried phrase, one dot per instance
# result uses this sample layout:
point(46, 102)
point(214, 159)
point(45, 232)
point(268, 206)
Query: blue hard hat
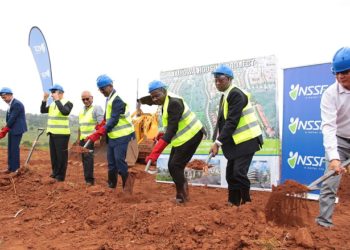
point(156, 84)
point(56, 87)
point(224, 70)
point(5, 90)
point(103, 80)
point(341, 60)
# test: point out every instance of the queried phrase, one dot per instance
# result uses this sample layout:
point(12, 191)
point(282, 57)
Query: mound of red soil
point(197, 165)
point(39, 213)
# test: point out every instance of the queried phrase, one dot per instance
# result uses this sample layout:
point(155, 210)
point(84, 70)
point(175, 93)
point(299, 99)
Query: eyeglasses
point(85, 99)
point(345, 72)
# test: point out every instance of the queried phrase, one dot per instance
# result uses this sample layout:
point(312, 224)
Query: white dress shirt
point(335, 114)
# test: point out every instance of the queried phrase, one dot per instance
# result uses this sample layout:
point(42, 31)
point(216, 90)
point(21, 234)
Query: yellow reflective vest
point(248, 126)
point(56, 122)
point(87, 122)
point(124, 126)
point(188, 125)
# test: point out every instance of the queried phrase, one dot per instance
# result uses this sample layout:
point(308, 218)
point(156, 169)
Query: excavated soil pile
point(197, 165)
point(36, 212)
point(287, 204)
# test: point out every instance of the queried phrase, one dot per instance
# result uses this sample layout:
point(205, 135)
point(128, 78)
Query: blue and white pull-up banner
point(302, 141)
point(40, 52)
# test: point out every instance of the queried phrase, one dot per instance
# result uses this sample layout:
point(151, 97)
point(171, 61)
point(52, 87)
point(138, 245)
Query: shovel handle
point(87, 143)
point(330, 173)
point(209, 158)
point(147, 168)
point(148, 165)
point(205, 170)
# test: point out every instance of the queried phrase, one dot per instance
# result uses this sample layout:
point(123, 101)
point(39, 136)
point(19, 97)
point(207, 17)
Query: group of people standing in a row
point(238, 132)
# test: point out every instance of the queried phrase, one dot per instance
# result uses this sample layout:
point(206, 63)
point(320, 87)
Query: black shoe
point(234, 197)
point(186, 191)
point(180, 193)
point(124, 179)
point(245, 196)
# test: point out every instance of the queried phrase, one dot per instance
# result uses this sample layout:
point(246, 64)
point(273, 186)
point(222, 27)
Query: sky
point(133, 41)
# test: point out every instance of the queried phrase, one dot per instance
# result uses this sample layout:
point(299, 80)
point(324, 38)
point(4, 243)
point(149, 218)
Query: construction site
point(152, 125)
point(40, 213)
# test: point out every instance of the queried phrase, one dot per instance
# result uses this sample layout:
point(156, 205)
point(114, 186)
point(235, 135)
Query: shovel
point(330, 173)
point(40, 132)
point(148, 170)
point(207, 165)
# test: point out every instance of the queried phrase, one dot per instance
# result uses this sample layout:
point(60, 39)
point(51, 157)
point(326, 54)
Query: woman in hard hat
point(335, 115)
point(183, 131)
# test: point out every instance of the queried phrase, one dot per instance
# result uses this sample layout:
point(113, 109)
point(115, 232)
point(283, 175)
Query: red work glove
point(95, 136)
point(3, 132)
point(160, 135)
point(101, 124)
point(157, 150)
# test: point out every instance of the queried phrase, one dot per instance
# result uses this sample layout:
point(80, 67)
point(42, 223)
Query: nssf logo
point(41, 48)
point(309, 126)
point(295, 159)
point(308, 91)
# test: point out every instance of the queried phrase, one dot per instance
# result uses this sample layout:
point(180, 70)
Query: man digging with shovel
point(182, 130)
point(89, 117)
point(335, 114)
point(119, 129)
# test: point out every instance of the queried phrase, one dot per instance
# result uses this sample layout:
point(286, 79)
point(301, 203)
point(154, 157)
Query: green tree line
point(34, 122)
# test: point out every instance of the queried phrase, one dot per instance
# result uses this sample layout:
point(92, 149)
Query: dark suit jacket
point(237, 100)
point(16, 118)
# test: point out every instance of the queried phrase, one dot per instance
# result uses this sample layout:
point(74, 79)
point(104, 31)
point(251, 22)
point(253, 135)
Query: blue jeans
point(116, 154)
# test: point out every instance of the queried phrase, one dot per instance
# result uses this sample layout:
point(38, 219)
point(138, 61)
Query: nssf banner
point(302, 142)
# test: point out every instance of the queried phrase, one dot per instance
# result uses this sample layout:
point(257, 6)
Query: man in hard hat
point(239, 136)
point(15, 126)
point(119, 129)
point(335, 115)
point(58, 130)
point(183, 131)
point(89, 117)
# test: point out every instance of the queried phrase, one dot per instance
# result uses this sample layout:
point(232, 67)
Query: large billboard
point(196, 85)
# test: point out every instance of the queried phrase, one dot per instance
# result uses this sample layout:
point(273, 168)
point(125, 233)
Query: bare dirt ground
point(39, 213)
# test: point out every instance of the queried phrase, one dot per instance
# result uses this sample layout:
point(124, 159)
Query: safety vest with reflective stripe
point(248, 126)
point(56, 122)
point(188, 126)
point(87, 122)
point(124, 126)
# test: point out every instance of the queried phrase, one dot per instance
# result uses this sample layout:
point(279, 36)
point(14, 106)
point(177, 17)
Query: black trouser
point(180, 156)
point(237, 172)
point(88, 162)
point(59, 155)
